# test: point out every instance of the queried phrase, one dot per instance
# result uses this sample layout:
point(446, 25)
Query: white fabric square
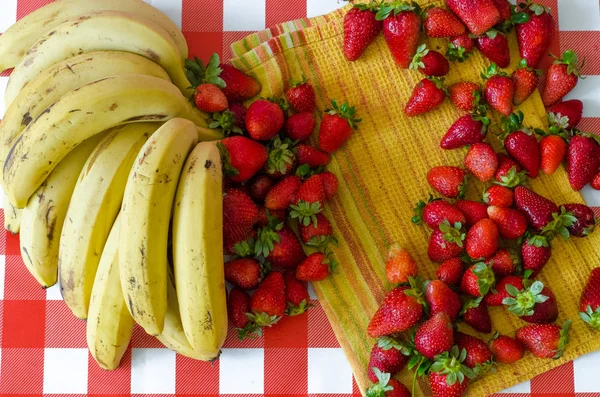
point(586, 373)
point(311, 292)
point(241, 371)
point(171, 8)
point(3, 83)
point(321, 7)
point(592, 198)
point(524, 387)
point(579, 15)
point(53, 293)
point(152, 371)
point(587, 91)
point(65, 371)
point(2, 270)
point(328, 372)
point(244, 15)
point(8, 16)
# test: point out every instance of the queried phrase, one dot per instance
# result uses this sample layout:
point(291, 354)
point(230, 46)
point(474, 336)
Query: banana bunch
point(109, 175)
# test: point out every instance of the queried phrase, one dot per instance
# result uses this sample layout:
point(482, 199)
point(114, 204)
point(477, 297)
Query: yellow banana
point(146, 214)
point(99, 31)
point(86, 111)
point(94, 206)
point(21, 36)
point(12, 216)
point(109, 326)
point(43, 217)
point(198, 250)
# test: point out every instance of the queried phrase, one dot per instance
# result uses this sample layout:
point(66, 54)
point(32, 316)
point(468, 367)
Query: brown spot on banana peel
point(146, 117)
point(23, 249)
point(113, 107)
point(208, 323)
point(152, 55)
point(26, 119)
point(50, 222)
point(208, 164)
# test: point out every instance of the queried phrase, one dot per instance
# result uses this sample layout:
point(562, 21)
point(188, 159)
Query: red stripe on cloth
point(2, 234)
point(196, 377)
point(22, 371)
point(278, 11)
point(290, 332)
point(558, 380)
point(12, 244)
point(25, 7)
point(24, 324)
point(113, 382)
point(279, 364)
point(63, 329)
point(233, 342)
point(202, 16)
point(204, 44)
point(320, 333)
point(141, 339)
point(586, 45)
point(19, 284)
point(591, 124)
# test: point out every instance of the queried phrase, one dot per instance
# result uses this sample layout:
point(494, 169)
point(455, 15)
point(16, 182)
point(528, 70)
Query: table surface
point(43, 348)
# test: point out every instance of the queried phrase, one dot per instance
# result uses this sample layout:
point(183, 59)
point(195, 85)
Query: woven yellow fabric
point(382, 172)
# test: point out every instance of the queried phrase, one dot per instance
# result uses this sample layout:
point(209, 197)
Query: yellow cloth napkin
point(382, 173)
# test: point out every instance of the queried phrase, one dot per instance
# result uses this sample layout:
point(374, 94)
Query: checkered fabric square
point(43, 349)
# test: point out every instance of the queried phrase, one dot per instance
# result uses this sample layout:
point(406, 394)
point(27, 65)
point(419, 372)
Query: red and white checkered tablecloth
point(43, 348)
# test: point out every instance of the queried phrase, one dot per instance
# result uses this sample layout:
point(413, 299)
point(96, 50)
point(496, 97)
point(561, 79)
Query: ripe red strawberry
point(521, 145)
point(323, 228)
point(441, 386)
point(474, 211)
point(300, 126)
point(596, 181)
point(301, 96)
point(585, 220)
point(566, 114)
point(239, 215)
point(315, 267)
point(442, 299)
point(243, 272)
point(545, 340)
point(311, 191)
point(561, 78)
point(506, 350)
point(209, 98)
point(536, 252)
point(281, 195)
point(499, 90)
point(535, 35)
point(242, 157)
point(496, 298)
point(460, 47)
point(450, 272)
point(447, 180)
point(464, 95)
point(537, 209)
point(401, 30)
point(534, 304)
point(446, 242)
point(426, 96)
point(240, 244)
point(476, 315)
point(267, 304)
point(387, 355)
point(494, 46)
point(360, 30)
point(504, 8)
point(435, 336)
point(467, 130)
point(482, 239)
point(503, 262)
point(385, 386)
point(238, 86)
point(583, 160)
point(238, 305)
point(478, 15)
point(306, 154)
point(477, 280)
point(430, 62)
point(296, 294)
point(589, 305)
point(259, 187)
point(264, 119)
point(511, 223)
point(330, 184)
point(478, 352)
point(400, 265)
point(482, 161)
point(263, 216)
point(440, 22)
point(506, 165)
point(397, 313)
point(499, 196)
point(287, 252)
point(553, 149)
point(437, 211)
point(526, 81)
point(337, 126)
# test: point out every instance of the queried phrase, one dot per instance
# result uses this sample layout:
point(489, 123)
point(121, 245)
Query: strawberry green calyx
point(372, 6)
point(417, 290)
point(535, 8)
point(481, 369)
point(396, 7)
point(267, 236)
point(305, 212)
point(387, 343)
point(379, 389)
point(521, 303)
point(513, 123)
point(557, 126)
point(439, 83)
point(226, 122)
point(591, 317)
point(539, 241)
point(251, 330)
point(280, 156)
point(293, 310)
point(417, 219)
point(457, 53)
point(569, 58)
point(470, 304)
point(303, 80)
point(512, 179)
point(228, 168)
point(263, 319)
point(485, 277)
point(321, 243)
point(451, 364)
point(523, 65)
point(493, 69)
point(453, 233)
point(417, 59)
point(331, 261)
point(198, 73)
point(559, 224)
point(564, 339)
point(245, 249)
point(282, 103)
point(346, 112)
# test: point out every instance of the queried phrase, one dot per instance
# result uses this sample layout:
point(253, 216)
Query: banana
point(95, 203)
point(99, 31)
point(12, 217)
point(146, 214)
point(61, 78)
point(21, 36)
point(86, 111)
point(198, 250)
point(109, 326)
point(43, 217)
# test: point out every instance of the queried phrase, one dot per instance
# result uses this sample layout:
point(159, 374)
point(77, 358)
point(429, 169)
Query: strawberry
point(430, 62)
point(589, 304)
point(437, 211)
point(553, 149)
point(475, 314)
point(536, 252)
point(442, 299)
point(521, 145)
point(448, 376)
point(482, 239)
point(474, 211)
point(300, 126)
point(478, 15)
point(301, 96)
point(561, 77)
point(499, 90)
point(244, 273)
point(566, 115)
point(209, 98)
point(450, 271)
point(239, 114)
point(238, 305)
point(537, 209)
point(435, 336)
point(467, 130)
point(534, 304)
point(281, 195)
point(504, 8)
point(330, 184)
point(315, 267)
point(238, 86)
point(242, 157)
point(397, 313)
point(477, 280)
point(388, 356)
point(239, 215)
point(511, 223)
point(447, 180)
point(465, 95)
point(596, 181)
point(506, 350)
point(460, 47)
point(309, 200)
point(478, 352)
point(426, 96)
point(497, 298)
point(267, 304)
point(526, 80)
point(585, 220)
point(323, 228)
point(446, 242)
point(259, 187)
point(287, 251)
point(401, 30)
point(583, 160)
point(264, 214)
point(499, 196)
point(361, 28)
point(400, 265)
point(306, 154)
point(535, 35)
point(264, 119)
point(385, 386)
point(503, 262)
point(494, 46)
point(440, 22)
point(482, 161)
point(242, 245)
point(281, 158)
point(545, 340)
point(296, 295)
point(506, 165)
point(337, 126)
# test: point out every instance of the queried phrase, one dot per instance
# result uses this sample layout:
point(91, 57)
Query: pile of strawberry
point(276, 188)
